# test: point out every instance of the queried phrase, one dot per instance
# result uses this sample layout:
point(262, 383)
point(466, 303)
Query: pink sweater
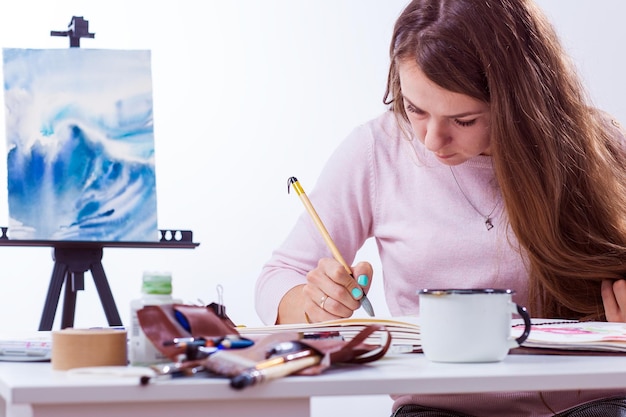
point(380, 185)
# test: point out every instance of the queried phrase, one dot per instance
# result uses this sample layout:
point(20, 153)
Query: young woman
point(491, 169)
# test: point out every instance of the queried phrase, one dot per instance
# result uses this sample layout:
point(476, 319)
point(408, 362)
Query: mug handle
point(524, 313)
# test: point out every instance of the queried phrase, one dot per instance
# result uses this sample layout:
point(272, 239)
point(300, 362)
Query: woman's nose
point(436, 137)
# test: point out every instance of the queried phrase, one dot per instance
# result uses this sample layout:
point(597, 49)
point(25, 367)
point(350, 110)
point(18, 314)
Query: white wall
point(248, 93)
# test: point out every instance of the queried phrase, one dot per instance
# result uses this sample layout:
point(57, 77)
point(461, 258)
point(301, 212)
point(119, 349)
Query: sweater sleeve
point(342, 198)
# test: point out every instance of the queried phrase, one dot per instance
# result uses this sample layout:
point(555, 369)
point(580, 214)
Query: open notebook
point(404, 330)
point(569, 335)
point(26, 347)
point(545, 335)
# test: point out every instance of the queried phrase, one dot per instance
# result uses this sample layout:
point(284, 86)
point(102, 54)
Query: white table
point(35, 390)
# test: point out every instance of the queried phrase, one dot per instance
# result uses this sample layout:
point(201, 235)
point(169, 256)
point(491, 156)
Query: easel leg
point(106, 296)
point(52, 299)
point(74, 281)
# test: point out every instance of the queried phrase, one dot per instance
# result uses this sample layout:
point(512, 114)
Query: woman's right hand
point(329, 293)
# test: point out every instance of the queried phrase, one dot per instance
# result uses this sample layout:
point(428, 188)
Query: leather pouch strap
point(359, 349)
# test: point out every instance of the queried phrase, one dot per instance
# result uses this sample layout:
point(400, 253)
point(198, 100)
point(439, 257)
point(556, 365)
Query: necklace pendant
point(488, 223)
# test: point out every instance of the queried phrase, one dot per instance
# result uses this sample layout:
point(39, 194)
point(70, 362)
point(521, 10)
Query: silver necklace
point(488, 222)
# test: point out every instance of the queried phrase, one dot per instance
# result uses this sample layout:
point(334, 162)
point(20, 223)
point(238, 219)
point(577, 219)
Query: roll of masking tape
point(77, 348)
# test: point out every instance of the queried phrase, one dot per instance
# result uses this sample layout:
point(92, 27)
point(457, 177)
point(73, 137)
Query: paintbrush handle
point(365, 302)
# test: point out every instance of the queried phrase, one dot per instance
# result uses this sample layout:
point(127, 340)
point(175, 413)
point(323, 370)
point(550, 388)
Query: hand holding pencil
point(293, 181)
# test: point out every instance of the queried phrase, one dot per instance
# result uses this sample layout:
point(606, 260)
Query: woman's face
point(453, 126)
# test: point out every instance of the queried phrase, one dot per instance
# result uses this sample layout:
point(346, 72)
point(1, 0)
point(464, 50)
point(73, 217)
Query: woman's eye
point(412, 109)
point(464, 123)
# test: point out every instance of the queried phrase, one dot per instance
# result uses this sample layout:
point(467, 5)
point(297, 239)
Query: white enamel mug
point(469, 325)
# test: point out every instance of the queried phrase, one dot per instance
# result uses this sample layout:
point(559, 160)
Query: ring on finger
point(323, 301)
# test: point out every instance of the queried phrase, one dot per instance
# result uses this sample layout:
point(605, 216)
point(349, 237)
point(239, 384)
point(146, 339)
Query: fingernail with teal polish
point(362, 280)
point(357, 293)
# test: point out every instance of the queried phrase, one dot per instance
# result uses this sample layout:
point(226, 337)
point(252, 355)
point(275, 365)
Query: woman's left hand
point(614, 299)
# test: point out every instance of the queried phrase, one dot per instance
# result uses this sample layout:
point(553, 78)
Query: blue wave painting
point(80, 145)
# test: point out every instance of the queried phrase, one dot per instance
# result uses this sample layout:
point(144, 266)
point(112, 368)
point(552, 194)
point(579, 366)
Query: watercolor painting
point(80, 145)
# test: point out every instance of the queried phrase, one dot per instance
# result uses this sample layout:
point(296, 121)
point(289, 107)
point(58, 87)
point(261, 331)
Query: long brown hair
point(557, 161)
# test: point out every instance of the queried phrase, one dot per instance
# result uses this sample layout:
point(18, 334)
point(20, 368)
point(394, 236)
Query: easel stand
point(73, 258)
point(70, 265)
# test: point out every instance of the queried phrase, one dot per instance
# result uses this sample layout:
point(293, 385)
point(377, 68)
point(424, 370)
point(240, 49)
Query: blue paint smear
point(80, 142)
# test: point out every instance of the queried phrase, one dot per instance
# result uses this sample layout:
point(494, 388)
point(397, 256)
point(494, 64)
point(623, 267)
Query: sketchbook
point(404, 330)
point(592, 336)
point(546, 335)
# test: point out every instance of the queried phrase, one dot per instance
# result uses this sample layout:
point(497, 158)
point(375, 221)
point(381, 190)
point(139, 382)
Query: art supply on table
point(220, 308)
point(198, 348)
point(78, 348)
point(269, 357)
point(365, 302)
point(156, 290)
point(323, 335)
point(275, 367)
point(166, 371)
point(285, 348)
point(26, 347)
point(111, 372)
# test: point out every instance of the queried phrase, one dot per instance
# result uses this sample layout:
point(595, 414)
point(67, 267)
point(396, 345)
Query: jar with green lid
point(156, 283)
point(156, 289)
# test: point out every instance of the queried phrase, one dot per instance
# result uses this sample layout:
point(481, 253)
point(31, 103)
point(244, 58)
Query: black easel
point(73, 258)
point(78, 28)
